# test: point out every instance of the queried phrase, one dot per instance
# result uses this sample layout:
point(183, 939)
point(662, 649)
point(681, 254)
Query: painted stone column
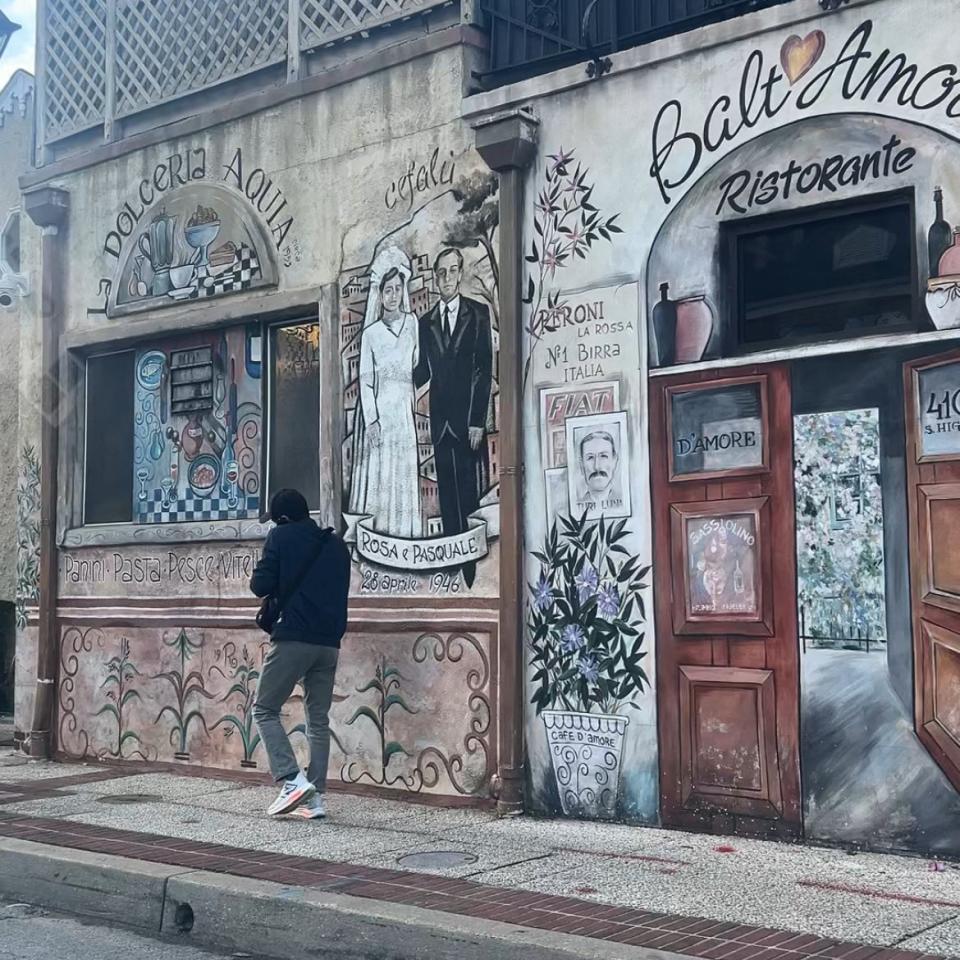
point(49, 210)
point(507, 144)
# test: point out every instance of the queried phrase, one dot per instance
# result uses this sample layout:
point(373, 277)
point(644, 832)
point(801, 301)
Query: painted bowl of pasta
point(204, 474)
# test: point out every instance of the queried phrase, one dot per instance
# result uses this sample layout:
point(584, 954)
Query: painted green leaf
point(393, 748)
point(365, 712)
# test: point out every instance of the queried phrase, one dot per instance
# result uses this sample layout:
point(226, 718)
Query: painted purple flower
point(608, 601)
point(588, 580)
point(572, 638)
point(542, 593)
point(589, 669)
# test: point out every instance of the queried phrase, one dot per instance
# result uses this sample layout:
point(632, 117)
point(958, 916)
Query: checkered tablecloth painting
point(153, 510)
point(243, 271)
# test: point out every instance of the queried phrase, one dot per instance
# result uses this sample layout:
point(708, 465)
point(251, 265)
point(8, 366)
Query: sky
point(19, 52)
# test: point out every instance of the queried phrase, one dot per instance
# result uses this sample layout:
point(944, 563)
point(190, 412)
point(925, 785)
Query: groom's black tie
point(447, 329)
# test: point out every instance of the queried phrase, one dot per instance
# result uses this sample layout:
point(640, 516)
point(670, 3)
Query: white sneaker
point(293, 793)
point(312, 809)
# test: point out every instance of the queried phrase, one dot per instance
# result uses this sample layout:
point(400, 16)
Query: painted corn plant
point(120, 693)
point(244, 675)
point(185, 684)
point(28, 533)
point(567, 225)
point(585, 619)
point(386, 683)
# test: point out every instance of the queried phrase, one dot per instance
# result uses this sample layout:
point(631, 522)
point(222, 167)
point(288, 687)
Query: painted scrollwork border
point(431, 762)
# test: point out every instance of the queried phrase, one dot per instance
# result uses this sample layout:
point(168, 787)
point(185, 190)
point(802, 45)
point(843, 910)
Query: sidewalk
point(525, 871)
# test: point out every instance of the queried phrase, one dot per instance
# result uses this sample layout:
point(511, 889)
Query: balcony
point(528, 37)
point(102, 64)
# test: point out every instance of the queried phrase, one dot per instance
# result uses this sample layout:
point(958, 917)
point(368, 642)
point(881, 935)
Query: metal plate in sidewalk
point(437, 860)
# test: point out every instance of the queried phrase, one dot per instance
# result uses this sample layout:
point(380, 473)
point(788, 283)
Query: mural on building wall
point(419, 336)
point(193, 229)
point(198, 428)
point(585, 623)
point(186, 695)
point(28, 533)
point(590, 678)
point(867, 777)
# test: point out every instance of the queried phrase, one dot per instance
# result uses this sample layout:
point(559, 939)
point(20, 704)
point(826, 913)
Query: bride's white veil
point(383, 263)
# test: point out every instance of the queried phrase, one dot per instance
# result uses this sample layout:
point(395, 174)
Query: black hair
point(288, 505)
point(389, 275)
point(447, 252)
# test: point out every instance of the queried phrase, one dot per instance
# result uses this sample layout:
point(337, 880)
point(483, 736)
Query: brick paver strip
point(692, 936)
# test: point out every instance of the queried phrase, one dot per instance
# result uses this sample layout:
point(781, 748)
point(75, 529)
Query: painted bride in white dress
point(386, 476)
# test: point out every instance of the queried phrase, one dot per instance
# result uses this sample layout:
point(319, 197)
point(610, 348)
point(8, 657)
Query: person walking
point(307, 571)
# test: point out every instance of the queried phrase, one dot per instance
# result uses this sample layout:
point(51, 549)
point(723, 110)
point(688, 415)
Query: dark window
point(295, 410)
point(843, 273)
point(109, 436)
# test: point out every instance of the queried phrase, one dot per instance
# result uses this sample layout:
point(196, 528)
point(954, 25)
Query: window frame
point(732, 232)
point(269, 399)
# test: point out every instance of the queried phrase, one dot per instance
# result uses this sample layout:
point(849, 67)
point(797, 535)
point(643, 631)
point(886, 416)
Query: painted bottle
point(939, 237)
point(950, 261)
point(665, 327)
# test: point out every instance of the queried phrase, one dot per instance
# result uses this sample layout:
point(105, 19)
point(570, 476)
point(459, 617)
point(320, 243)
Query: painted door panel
point(725, 579)
point(932, 391)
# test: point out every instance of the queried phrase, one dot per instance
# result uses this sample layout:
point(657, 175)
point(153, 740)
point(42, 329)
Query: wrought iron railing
point(100, 61)
point(530, 36)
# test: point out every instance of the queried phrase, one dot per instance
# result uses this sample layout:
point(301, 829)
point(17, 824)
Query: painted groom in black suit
point(456, 357)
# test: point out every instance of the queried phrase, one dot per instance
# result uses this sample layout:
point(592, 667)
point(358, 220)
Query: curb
point(263, 918)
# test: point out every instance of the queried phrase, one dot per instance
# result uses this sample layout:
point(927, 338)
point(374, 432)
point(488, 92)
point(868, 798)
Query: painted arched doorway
point(747, 743)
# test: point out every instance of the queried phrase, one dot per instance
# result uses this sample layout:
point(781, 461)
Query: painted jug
point(157, 246)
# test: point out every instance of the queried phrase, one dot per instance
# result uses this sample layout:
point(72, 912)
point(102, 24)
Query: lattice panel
point(167, 48)
point(322, 21)
point(75, 66)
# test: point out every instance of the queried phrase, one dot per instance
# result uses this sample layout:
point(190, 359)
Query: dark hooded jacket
point(317, 612)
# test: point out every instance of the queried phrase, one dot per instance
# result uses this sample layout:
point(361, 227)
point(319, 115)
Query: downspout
point(507, 143)
point(48, 208)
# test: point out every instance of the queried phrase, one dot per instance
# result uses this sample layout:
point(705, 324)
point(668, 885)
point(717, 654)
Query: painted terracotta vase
point(586, 750)
point(694, 328)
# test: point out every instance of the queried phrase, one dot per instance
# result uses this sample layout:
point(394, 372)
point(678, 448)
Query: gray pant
point(287, 663)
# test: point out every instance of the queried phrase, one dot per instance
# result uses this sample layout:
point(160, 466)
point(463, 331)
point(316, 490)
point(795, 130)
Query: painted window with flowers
point(840, 562)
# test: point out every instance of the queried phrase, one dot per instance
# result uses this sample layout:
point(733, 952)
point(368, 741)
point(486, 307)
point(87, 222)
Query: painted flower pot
point(694, 328)
point(586, 749)
point(943, 303)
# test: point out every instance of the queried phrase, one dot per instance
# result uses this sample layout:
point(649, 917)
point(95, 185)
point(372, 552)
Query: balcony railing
point(532, 36)
point(100, 61)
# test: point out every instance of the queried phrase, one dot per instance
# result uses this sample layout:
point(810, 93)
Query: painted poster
point(939, 406)
point(559, 403)
point(598, 476)
point(418, 328)
point(198, 429)
point(718, 429)
point(722, 565)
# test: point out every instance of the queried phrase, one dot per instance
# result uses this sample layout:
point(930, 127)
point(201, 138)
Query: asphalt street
point(27, 933)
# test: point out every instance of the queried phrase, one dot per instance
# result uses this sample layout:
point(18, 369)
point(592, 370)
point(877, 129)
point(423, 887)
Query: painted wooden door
point(932, 391)
point(726, 614)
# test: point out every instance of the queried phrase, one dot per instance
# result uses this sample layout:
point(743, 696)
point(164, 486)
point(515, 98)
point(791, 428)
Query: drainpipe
point(48, 208)
point(507, 143)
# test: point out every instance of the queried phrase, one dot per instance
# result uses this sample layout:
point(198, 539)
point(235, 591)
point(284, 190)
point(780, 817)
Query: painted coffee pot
point(157, 246)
